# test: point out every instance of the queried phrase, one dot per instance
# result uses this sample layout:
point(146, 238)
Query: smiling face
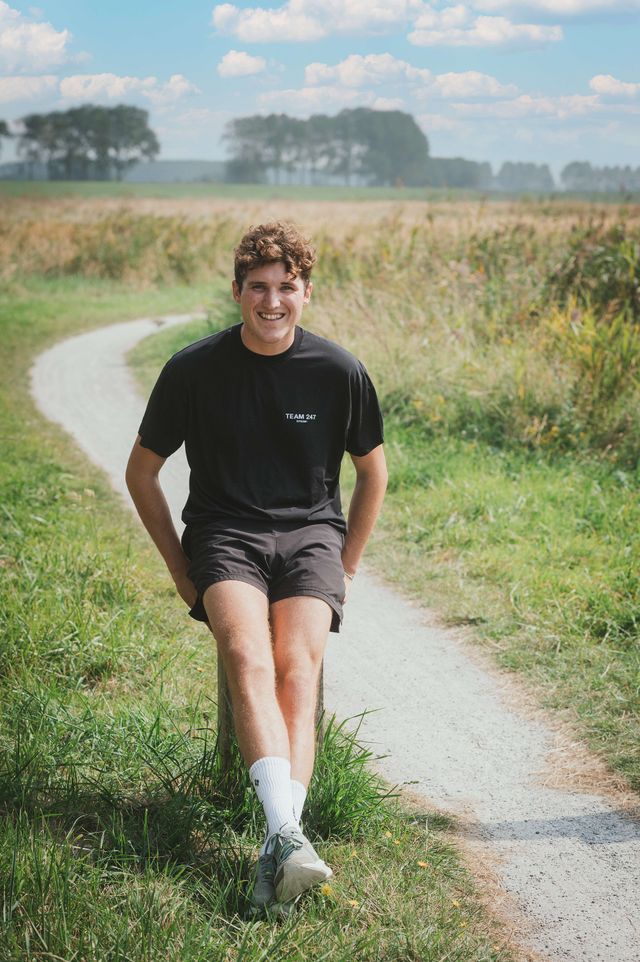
point(271, 301)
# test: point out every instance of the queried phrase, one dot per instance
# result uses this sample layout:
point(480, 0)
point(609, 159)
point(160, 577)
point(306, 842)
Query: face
point(271, 302)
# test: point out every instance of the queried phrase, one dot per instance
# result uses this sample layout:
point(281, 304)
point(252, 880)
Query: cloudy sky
point(544, 80)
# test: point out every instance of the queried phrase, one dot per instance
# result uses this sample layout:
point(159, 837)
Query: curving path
point(562, 863)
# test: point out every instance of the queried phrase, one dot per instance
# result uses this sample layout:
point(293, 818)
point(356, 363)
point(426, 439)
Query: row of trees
point(360, 146)
point(85, 143)
point(356, 146)
point(581, 176)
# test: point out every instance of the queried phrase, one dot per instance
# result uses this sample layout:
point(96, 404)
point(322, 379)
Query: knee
point(246, 667)
point(297, 680)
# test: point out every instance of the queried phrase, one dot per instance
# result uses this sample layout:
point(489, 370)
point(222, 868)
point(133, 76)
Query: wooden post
point(225, 716)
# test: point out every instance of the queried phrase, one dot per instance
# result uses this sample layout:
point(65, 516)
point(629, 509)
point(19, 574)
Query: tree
point(524, 177)
point(4, 131)
point(456, 172)
point(87, 142)
point(377, 146)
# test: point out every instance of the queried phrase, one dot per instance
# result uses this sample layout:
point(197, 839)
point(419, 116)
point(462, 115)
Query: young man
point(266, 411)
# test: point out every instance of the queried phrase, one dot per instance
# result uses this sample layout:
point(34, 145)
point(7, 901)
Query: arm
point(371, 483)
point(143, 483)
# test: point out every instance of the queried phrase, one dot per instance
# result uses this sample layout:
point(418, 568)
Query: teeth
point(270, 317)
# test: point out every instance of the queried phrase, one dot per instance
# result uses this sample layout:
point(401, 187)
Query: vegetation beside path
point(118, 842)
point(507, 357)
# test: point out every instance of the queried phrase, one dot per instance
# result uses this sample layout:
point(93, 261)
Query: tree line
point(360, 146)
point(356, 146)
point(581, 176)
point(84, 143)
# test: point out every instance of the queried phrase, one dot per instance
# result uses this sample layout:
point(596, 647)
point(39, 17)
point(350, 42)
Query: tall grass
point(119, 840)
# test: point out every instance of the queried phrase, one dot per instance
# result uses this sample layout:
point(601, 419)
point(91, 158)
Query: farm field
point(503, 339)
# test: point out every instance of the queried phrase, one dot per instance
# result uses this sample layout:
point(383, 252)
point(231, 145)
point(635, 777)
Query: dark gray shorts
point(283, 559)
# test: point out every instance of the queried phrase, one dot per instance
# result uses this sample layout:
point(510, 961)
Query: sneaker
point(263, 892)
point(298, 865)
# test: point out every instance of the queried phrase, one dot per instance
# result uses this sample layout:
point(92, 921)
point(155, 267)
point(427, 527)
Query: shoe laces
point(284, 844)
point(267, 867)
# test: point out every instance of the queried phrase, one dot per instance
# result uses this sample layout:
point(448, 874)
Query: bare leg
point(239, 617)
point(300, 627)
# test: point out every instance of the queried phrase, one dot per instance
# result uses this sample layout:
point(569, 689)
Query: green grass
point(539, 552)
point(214, 189)
point(119, 841)
point(18, 188)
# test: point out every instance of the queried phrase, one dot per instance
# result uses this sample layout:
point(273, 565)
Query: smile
point(269, 317)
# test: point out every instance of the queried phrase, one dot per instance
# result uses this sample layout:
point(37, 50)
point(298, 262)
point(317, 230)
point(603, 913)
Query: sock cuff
point(269, 768)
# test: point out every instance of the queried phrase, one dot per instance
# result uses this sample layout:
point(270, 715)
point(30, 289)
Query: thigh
point(239, 617)
point(299, 628)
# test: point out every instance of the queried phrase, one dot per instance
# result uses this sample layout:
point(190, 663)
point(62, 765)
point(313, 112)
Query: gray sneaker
point(263, 893)
point(298, 865)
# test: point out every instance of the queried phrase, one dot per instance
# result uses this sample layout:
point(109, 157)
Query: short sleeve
point(365, 430)
point(164, 425)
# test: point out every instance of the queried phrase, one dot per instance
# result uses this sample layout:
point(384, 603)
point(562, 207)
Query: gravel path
point(562, 861)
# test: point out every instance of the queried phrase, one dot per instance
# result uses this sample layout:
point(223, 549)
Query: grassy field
point(243, 192)
point(119, 840)
point(503, 340)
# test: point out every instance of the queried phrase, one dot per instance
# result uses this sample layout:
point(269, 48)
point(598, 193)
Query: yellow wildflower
point(353, 903)
point(423, 864)
point(326, 889)
point(387, 834)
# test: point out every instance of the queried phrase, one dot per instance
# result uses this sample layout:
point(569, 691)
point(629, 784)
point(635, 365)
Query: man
point(266, 411)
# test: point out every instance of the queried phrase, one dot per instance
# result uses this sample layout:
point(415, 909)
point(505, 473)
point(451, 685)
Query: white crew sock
point(271, 778)
point(299, 793)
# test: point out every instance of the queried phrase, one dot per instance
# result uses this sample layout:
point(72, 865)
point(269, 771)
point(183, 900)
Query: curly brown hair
point(268, 243)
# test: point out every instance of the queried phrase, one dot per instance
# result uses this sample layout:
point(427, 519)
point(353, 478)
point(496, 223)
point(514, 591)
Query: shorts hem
point(199, 612)
point(233, 576)
point(295, 592)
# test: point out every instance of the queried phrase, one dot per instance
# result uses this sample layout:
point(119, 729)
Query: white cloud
point(358, 71)
point(25, 45)
point(527, 106)
point(431, 122)
point(560, 8)
point(458, 27)
point(265, 26)
point(26, 88)
point(311, 99)
point(471, 83)
point(383, 68)
point(609, 86)
point(170, 92)
point(300, 20)
point(238, 63)
point(388, 103)
point(112, 87)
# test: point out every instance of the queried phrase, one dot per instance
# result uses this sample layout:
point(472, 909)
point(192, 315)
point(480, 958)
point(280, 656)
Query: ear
point(307, 293)
point(236, 291)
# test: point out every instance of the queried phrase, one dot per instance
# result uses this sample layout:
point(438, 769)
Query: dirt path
point(562, 861)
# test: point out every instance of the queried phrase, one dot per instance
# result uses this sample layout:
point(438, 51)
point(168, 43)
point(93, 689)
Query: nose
point(271, 297)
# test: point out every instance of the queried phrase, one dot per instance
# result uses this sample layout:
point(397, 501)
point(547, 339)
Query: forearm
point(364, 509)
point(152, 507)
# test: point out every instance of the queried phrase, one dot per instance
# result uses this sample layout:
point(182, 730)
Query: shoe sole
point(293, 880)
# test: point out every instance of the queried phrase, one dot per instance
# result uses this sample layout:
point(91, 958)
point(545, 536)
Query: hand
point(347, 588)
point(185, 587)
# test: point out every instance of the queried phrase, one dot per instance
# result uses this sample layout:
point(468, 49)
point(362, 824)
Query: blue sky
point(542, 80)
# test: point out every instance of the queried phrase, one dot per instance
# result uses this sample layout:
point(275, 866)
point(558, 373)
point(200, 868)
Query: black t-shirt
point(264, 435)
